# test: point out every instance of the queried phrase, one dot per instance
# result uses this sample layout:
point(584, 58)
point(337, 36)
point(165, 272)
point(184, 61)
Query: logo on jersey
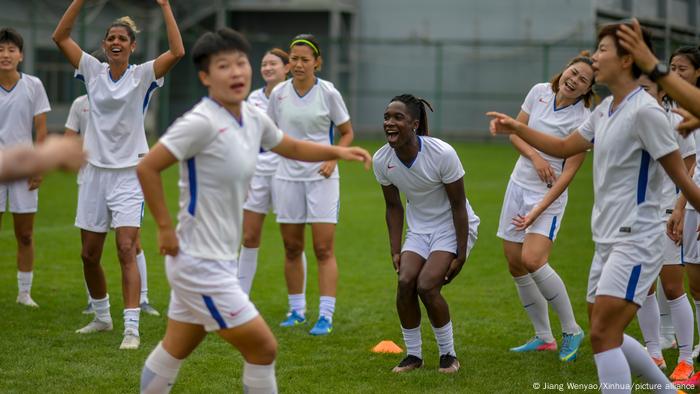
point(389, 166)
point(543, 101)
point(223, 129)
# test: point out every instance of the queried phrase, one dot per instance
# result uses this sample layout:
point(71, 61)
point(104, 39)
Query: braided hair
point(416, 107)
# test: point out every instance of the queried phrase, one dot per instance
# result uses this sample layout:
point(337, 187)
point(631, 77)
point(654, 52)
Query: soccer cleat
point(448, 364)
point(569, 346)
point(95, 325)
point(660, 362)
point(131, 340)
point(535, 345)
point(322, 327)
point(409, 363)
point(26, 300)
point(88, 309)
point(293, 319)
point(668, 341)
point(693, 381)
point(683, 371)
point(148, 309)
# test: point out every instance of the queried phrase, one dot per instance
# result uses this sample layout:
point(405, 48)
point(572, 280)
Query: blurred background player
point(442, 227)
point(534, 204)
point(23, 107)
point(309, 108)
point(109, 194)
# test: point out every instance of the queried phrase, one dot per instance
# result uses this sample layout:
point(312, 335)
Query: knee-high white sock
point(641, 364)
point(101, 307)
point(613, 371)
point(159, 372)
point(535, 306)
point(650, 323)
point(259, 379)
point(552, 288)
point(143, 273)
point(326, 307)
point(247, 265)
point(444, 338)
point(297, 302)
point(131, 320)
point(413, 341)
point(682, 315)
point(24, 281)
point(303, 264)
point(665, 311)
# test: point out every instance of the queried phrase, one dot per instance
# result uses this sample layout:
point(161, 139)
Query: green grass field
point(40, 353)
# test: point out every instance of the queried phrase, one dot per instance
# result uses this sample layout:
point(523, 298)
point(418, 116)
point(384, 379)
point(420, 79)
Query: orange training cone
point(387, 347)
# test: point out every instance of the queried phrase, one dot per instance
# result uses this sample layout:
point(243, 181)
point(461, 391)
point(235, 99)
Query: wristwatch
point(659, 70)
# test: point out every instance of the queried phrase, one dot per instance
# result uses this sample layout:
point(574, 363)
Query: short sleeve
point(272, 106)
point(655, 131)
point(338, 112)
point(188, 136)
point(378, 166)
point(73, 121)
point(530, 99)
point(88, 68)
point(146, 74)
point(587, 129)
point(40, 99)
point(271, 134)
point(685, 145)
point(451, 168)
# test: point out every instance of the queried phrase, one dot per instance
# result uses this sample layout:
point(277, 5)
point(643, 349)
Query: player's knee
point(673, 290)
point(293, 250)
point(427, 291)
point(24, 239)
point(126, 247)
point(266, 352)
point(531, 261)
point(406, 287)
point(251, 239)
point(90, 257)
point(323, 252)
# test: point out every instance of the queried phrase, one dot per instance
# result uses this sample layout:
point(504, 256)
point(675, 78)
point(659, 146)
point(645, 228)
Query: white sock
point(303, 264)
point(641, 364)
point(88, 293)
point(535, 306)
point(445, 340)
point(159, 372)
point(259, 379)
point(101, 308)
point(24, 281)
point(413, 341)
point(697, 314)
point(613, 371)
point(131, 320)
point(297, 302)
point(650, 323)
point(326, 307)
point(665, 311)
point(552, 288)
point(682, 315)
point(247, 265)
point(143, 273)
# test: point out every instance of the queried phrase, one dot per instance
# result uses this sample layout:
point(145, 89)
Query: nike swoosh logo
point(543, 101)
point(550, 299)
point(234, 314)
point(222, 130)
point(528, 305)
point(390, 167)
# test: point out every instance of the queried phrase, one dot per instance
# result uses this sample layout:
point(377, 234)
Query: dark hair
point(583, 57)
point(8, 34)
point(212, 43)
point(284, 56)
point(309, 41)
point(611, 30)
point(127, 23)
point(416, 107)
point(692, 54)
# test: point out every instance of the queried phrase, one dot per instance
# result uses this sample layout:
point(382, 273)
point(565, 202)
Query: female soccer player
point(217, 144)
point(274, 69)
point(109, 194)
point(632, 141)
point(533, 207)
point(309, 108)
point(23, 107)
point(442, 227)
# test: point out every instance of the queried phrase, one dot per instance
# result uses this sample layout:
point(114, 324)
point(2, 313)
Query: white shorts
point(520, 201)
point(306, 201)
point(625, 270)
point(691, 245)
point(672, 253)
point(22, 200)
point(259, 198)
point(425, 244)
point(207, 293)
point(108, 198)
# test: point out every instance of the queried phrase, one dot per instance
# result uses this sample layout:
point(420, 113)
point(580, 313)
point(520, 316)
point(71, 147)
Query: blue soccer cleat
point(570, 344)
point(535, 345)
point(322, 327)
point(293, 319)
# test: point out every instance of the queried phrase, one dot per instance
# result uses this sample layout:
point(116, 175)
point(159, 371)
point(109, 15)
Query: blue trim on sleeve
point(154, 86)
point(632, 283)
point(552, 228)
point(214, 312)
point(192, 177)
point(643, 177)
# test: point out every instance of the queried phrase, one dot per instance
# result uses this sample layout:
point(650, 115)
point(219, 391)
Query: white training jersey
point(544, 116)
point(311, 117)
point(217, 155)
point(428, 208)
point(79, 114)
point(267, 161)
point(18, 107)
point(669, 190)
point(626, 176)
point(696, 174)
point(115, 135)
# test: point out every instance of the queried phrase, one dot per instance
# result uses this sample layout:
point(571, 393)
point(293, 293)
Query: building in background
point(465, 57)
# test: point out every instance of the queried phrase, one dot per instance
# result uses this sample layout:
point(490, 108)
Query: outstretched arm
point(61, 36)
point(458, 204)
point(65, 153)
point(295, 149)
point(176, 50)
point(346, 137)
point(394, 222)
